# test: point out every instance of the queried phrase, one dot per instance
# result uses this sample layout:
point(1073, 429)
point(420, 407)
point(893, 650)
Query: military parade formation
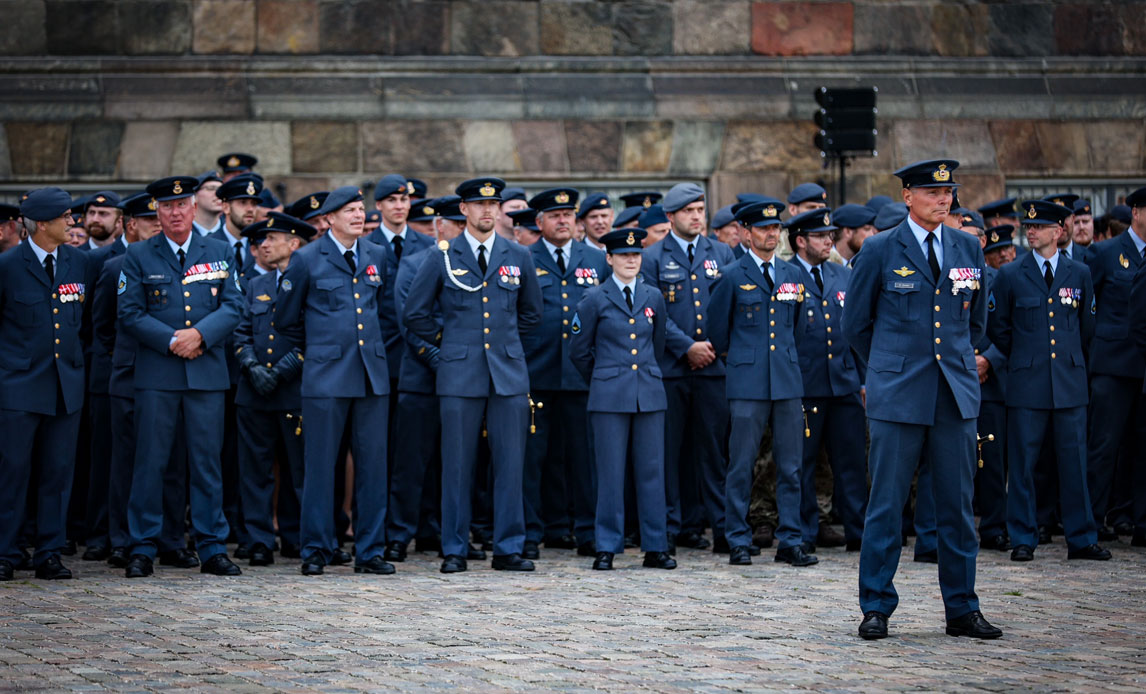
point(331, 380)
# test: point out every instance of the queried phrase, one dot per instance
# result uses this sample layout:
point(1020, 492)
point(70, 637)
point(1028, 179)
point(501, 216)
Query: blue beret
point(512, 193)
point(854, 216)
point(970, 218)
point(525, 217)
point(139, 205)
point(812, 221)
point(1121, 213)
point(420, 188)
point(1062, 199)
point(1137, 198)
point(45, 204)
point(999, 208)
point(268, 200)
point(807, 192)
point(890, 216)
point(723, 217)
point(1082, 206)
point(626, 216)
point(104, 198)
point(392, 184)
point(624, 240)
point(555, 199)
point(488, 188)
point(448, 206)
point(999, 237)
point(932, 173)
point(207, 176)
point(760, 214)
point(236, 161)
point(1043, 212)
point(593, 201)
point(173, 188)
point(373, 216)
point(240, 188)
point(682, 194)
point(78, 205)
point(645, 199)
point(654, 214)
point(340, 197)
point(876, 203)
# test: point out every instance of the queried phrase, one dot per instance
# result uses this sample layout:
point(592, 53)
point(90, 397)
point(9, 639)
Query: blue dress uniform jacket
point(100, 366)
point(40, 326)
point(318, 291)
point(257, 332)
point(1044, 333)
point(41, 359)
point(994, 389)
point(826, 359)
point(412, 243)
point(419, 357)
point(1113, 264)
point(665, 266)
point(547, 345)
point(617, 350)
point(915, 333)
point(757, 329)
point(484, 342)
point(154, 303)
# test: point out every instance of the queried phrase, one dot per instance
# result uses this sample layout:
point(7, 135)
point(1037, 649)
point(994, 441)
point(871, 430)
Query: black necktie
point(238, 255)
point(819, 280)
point(182, 258)
point(629, 298)
point(1047, 275)
point(561, 260)
point(397, 242)
point(280, 282)
point(50, 268)
point(690, 254)
point(349, 255)
point(1066, 252)
point(932, 260)
point(768, 275)
point(482, 265)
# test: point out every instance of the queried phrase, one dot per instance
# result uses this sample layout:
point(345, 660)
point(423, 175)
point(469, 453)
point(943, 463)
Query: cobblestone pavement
point(706, 627)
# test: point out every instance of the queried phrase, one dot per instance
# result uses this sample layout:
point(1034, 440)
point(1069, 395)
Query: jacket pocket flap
point(323, 352)
point(885, 361)
point(328, 284)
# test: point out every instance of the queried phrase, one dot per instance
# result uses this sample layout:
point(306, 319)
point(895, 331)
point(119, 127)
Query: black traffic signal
point(846, 119)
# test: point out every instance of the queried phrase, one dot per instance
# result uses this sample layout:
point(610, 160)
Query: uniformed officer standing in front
point(330, 305)
point(753, 323)
point(618, 333)
point(1043, 321)
point(832, 383)
point(559, 469)
point(487, 289)
point(268, 402)
point(42, 304)
point(180, 299)
point(686, 267)
point(915, 309)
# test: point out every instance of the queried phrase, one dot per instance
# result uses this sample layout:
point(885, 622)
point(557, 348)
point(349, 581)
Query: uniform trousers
point(261, 433)
point(559, 470)
point(1117, 417)
point(617, 437)
point(96, 518)
point(416, 466)
point(991, 479)
point(838, 423)
point(749, 420)
point(697, 413)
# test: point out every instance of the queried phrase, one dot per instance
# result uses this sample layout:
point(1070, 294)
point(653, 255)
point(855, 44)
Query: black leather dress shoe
point(376, 565)
point(720, 545)
point(873, 626)
point(511, 562)
point(290, 551)
point(563, 542)
point(475, 553)
point(808, 547)
point(7, 571)
point(692, 539)
point(829, 537)
point(453, 564)
point(999, 543)
point(1124, 528)
point(117, 558)
point(586, 549)
point(261, 555)
point(431, 543)
point(395, 551)
point(340, 557)
point(603, 562)
point(53, 570)
point(853, 545)
point(96, 553)
point(138, 566)
point(530, 550)
point(753, 550)
point(179, 558)
point(220, 565)
point(242, 551)
point(1045, 535)
point(973, 624)
point(739, 556)
point(927, 556)
point(1022, 553)
point(659, 560)
point(69, 549)
point(312, 565)
point(795, 556)
point(1094, 552)
point(1105, 534)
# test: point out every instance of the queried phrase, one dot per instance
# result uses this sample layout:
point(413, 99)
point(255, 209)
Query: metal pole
point(843, 186)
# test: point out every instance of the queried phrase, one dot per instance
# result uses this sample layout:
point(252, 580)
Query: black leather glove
point(246, 359)
point(262, 379)
point(288, 368)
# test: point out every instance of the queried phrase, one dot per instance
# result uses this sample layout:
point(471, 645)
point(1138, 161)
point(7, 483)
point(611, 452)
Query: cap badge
point(427, 210)
point(1031, 214)
point(827, 220)
point(100, 198)
point(487, 190)
point(631, 240)
point(994, 237)
point(233, 161)
point(250, 188)
point(648, 202)
point(941, 174)
point(823, 196)
point(409, 188)
point(151, 204)
point(562, 197)
point(313, 203)
point(770, 212)
point(177, 189)
point(270, 223)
